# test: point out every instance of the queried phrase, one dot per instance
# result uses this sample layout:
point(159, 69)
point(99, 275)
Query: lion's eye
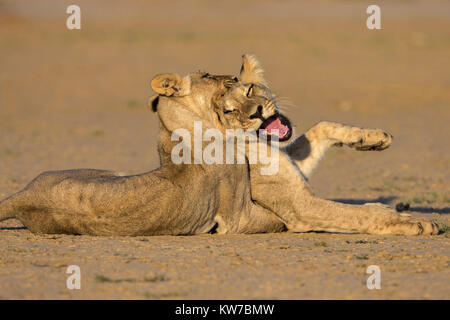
point(227, 111)
point(249, 91)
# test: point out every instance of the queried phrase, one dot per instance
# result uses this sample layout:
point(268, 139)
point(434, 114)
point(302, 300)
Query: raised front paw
point(369, 139)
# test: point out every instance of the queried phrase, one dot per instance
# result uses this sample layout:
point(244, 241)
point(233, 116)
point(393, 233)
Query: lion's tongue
point(275, 124)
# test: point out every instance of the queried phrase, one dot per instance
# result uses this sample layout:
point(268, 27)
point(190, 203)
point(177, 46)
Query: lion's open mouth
point(277, 125)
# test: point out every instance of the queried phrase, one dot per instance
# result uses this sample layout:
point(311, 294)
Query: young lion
point(308, 149)
point(194, 198)
point(249, 104)
point(174, 199)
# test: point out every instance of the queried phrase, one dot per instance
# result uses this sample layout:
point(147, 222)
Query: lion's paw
point(369, 139)
point(416, 227)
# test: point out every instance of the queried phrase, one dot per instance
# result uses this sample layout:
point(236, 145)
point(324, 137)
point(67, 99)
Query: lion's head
point(219, 101)
point(250, 104)
point(183, 100)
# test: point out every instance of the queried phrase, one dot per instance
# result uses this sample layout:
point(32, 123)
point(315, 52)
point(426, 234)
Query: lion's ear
point(251, 70)
point(153, 103)
point(170, 84)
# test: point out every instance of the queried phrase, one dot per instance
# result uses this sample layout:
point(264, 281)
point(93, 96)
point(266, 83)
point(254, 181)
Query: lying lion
point(183, 199)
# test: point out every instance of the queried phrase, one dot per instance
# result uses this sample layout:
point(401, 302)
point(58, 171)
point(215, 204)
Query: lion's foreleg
point(308, 149)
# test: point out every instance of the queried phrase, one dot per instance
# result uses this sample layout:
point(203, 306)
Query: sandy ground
point(77, 99)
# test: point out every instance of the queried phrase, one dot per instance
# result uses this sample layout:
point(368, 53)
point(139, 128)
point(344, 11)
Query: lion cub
point(249, 104)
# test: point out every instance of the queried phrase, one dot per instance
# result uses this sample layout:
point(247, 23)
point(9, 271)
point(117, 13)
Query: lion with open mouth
point(195, 198)
point(249, 104)
point(253, 106)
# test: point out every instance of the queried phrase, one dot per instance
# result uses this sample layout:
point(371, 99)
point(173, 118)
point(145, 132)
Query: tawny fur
point(287, 193)
point(172, 200)
point(193, 198)
point(308, 149)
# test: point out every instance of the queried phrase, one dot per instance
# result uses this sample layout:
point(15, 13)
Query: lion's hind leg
point(260, 220)
point(288, 195)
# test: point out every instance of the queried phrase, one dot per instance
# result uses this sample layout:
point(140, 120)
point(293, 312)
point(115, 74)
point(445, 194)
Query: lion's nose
point(258, 114)
point(260, 108)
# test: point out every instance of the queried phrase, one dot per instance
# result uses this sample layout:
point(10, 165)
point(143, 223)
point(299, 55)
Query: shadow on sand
point(389, 200)
point(13, 228)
